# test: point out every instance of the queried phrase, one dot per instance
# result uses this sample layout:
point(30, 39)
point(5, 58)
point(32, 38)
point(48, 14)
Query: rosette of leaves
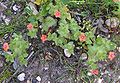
point(48, 22)
point(18, 47)
point(98, 51)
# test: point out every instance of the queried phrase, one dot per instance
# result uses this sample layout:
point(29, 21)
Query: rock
point(38, 78)
point(112, 22)
point(99, 80)
point(84, 56)
point(21, 77)
point(28, 81)
point(67, 54)
point(46, 68)
point(89, 74)
point(33, 7)
point(15, 8)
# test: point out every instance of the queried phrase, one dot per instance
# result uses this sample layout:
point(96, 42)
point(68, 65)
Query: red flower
point(82, 37)
point(30, 26)
point(94, 72)
point(57, 14)
point(111, 55)
point(44, 38)
point(5, 46)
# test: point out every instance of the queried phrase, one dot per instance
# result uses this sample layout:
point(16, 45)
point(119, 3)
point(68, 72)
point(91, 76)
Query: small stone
point(48, 81)
point(46, 68)
point(84, 56)
point(40, 26)
point(28, 81)
point(38, 78)
point(15, 8)
point(89, 74)
point(119, 77)
point(118, 48)
point(99, 80)
point(30, 44)
point(78, 48)
point(33, 7)
point(108, 36)
point(21, 77)
point(112, 22)
point(67, 54)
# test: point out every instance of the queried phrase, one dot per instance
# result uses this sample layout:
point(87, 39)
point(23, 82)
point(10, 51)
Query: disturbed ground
point(47, 61)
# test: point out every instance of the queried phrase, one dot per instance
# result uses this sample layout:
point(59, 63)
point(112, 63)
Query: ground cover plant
point(60, 41)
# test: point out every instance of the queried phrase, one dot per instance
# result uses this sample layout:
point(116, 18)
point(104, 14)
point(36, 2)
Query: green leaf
point(32, 33)
point(18, 47)
point(93, 66)
point(48, 22)
point(63, 29)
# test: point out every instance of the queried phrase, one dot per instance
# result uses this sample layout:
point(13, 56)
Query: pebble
point(99, 80)
point(46, 68)
point(67, 54)
point(15, 8)
point(108, 36)
point(112, 22)
point(89, 74)
point(84, 56)
point(38, 78)
point(118, 48)
point(28, 81)
point(33, 7)
point(48, 81)
point(21, 77)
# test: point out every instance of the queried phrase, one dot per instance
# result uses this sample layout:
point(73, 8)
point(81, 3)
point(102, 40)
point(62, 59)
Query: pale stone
point(38, 78)
point(21, 77)
point(67, 54)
